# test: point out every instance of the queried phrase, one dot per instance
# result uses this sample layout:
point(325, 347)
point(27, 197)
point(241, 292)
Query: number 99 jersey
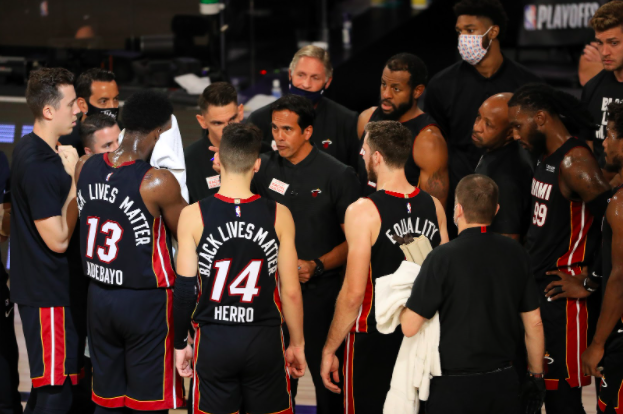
point(238, 262)
point(121, 243)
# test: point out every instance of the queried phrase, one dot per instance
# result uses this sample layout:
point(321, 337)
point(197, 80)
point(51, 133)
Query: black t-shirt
point(479, 283)
point(39, 189)
point(74, 139)
point(335, 130)
point(511, 169)
point(6, 198)
point(453, 97)
point(201, 179)
point(598, 92)
point(317, 190)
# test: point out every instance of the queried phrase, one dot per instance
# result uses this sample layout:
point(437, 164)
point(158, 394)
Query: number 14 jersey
point(121, 243)
point(561, 230)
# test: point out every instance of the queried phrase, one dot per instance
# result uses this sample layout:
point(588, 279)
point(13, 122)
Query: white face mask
point(470, 48)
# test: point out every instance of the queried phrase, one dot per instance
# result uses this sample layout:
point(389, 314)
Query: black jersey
point(121, 243)
point(616, 340)
point(239, 282)
point(401, 214)
point(412, 171)
point(559, 236)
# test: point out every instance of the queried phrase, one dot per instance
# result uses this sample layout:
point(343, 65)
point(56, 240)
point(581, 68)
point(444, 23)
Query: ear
point(256, 166)
point(459, 211)
point(289, 75)
point(217, 159)
point(240, 112)
point(202, 122)
point(418, 91)
point(326, 85)
point(82, 104)
point(307, 132)
point(540, 118)
point(88, 151)
point(497, 209)
point(48, 112)
point(494, 32)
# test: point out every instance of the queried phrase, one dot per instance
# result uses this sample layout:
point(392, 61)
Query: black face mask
point(93, 110)
point(314, 97)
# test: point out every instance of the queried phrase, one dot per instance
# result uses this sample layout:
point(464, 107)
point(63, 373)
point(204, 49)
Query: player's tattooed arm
point(430, 154)
point(162, 195)
point(612, 306)
point(581, 177)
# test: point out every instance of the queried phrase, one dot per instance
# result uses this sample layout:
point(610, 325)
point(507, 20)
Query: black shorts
point(237, 365)
point(610, 398)
point(131, 347)
point(369, 360)
point(54, 344)
point(566, 325)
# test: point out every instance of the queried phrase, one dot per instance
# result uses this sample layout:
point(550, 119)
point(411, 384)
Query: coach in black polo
point(482, 286)
point(317, 189)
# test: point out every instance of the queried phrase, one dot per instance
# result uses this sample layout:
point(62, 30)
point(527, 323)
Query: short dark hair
point(43, 88)
point(145, 111)
point(615, 114)
point(608, 16)
point(410, 63)
point(240, 147)
point(297, 104)
point(478, 194)
point(86, 79)
point(92, 124)
point(392, 140)
point(217, 94)
point(491, 9)
point(541, 97)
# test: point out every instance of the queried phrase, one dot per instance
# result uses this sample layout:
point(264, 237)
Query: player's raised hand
point(295, 361)
point(182, 361)
point(69, 157)
point(328, 366)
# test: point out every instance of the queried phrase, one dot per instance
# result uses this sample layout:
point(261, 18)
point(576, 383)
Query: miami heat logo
point(316, 192)
point(238, 211)
point(326, 143)
point(409, 208)
point(108, 176)
point(549, 359)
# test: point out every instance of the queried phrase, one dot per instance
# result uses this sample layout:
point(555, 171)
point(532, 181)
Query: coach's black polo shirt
point(335, 130)
point(39, 189)
point(201, 179)
point(453, 97)
point(479, 283)
point(317, 191)
point(512, 171)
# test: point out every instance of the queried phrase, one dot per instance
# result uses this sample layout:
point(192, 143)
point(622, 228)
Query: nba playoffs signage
point(557, 22)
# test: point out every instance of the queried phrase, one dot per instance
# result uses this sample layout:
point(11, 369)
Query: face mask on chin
point(93, 110)
point(470, 48)
point(314, 97)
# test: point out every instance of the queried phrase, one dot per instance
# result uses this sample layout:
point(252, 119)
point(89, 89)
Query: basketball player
point(608, 341)
point(402, 84)
point(128, 212)
point(569, 196)
point(242, 248)
point(397, 208)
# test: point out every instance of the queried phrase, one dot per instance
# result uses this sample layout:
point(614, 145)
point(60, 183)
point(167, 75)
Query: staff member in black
point(506, 163)
point(317, 189)
point(480, 283)
point(219, 107)
point(335, 126)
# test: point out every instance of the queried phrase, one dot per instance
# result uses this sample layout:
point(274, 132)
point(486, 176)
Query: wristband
point(587, 287)
point(539, 375)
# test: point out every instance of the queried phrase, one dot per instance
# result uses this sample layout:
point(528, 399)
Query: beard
point(397, 112)
point(537, 141)
point(371, 175)
point(615, 165)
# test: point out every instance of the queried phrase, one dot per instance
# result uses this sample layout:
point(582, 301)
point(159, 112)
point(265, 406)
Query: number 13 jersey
point(121, 243)
point(561, 230)
point(239, 282)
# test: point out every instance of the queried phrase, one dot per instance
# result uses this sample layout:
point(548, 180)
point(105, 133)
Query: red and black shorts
point(237, 365)
point(55, 347)
point(369, 360)
point(566, 324)
point(610, 399)
point(131, 347)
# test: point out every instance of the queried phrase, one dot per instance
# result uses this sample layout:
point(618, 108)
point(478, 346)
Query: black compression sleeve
point(184, 303)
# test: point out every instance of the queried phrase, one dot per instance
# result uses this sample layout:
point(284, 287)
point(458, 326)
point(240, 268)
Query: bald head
point(492, 129)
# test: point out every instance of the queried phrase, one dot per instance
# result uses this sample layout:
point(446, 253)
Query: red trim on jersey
point(160, 257)
point(115, 402)
point(110, 164)
point(602, 405)
point(240, 200)
point(361, 323)
point(287, 374)
point(203, 223)
point(483, 229)
point(347, 371)
point(577, 326)
point(277, 296)
point(551, 384)
point(195, 393)
point(402, 195)
point(581, 221)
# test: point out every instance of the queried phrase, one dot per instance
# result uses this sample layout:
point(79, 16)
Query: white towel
point(169, 153)
point(418, 359)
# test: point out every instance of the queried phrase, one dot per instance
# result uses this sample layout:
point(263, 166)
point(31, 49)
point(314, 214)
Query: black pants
point(495, 393)
point(564, 400)
point(9, 355)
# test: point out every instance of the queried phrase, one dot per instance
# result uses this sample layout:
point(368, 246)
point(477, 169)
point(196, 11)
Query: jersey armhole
point(143, 178)
point(415, 139)
point(201, 214)
point(560, 169)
